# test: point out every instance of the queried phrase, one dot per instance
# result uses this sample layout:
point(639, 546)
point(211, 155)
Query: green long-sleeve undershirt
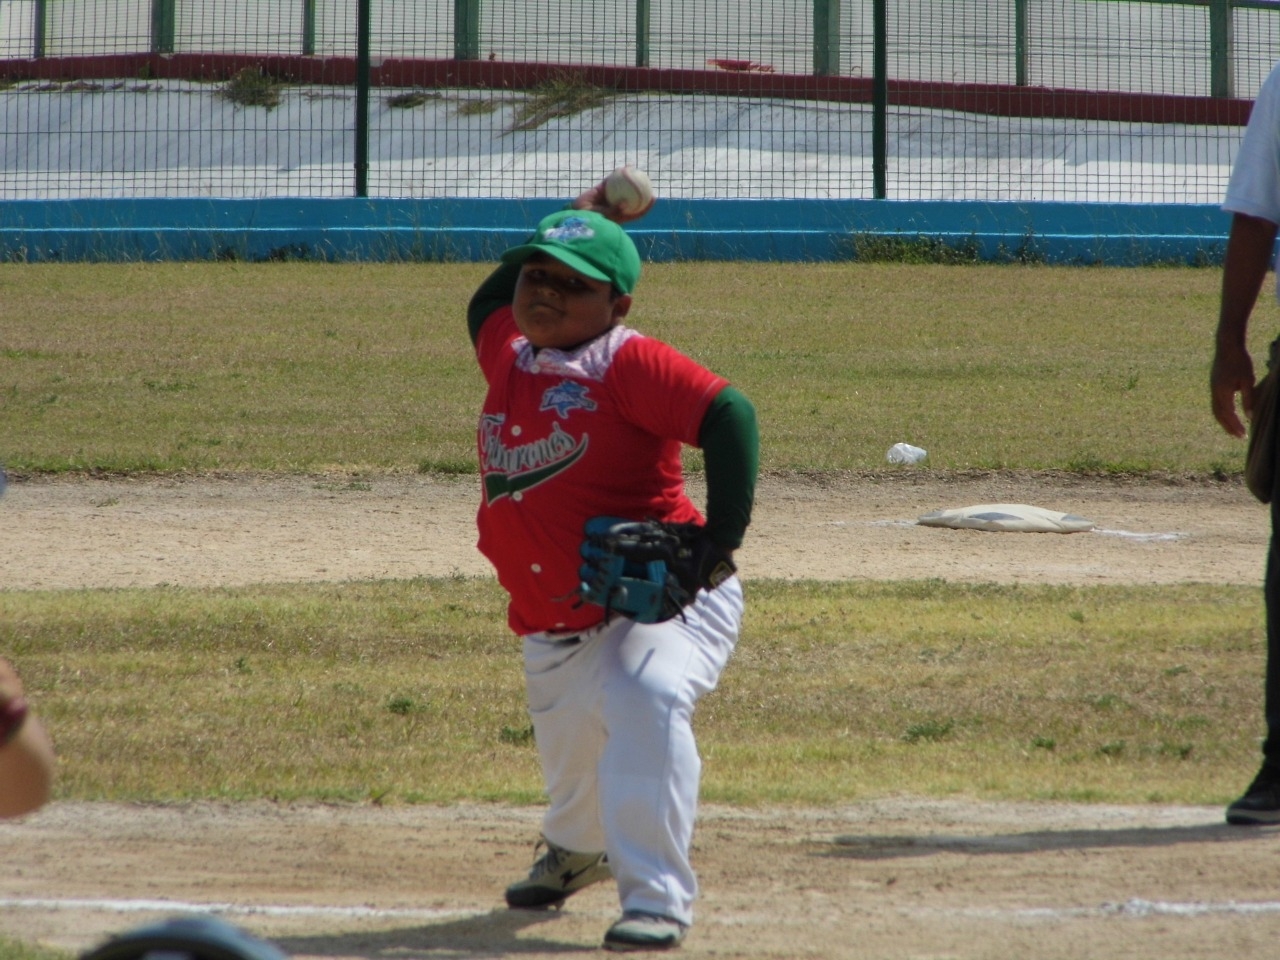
point(730, 442)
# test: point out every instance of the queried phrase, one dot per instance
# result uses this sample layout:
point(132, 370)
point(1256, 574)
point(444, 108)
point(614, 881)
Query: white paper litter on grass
point(1011, 517)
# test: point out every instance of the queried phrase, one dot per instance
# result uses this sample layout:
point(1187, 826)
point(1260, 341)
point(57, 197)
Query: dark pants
point(1271, 594)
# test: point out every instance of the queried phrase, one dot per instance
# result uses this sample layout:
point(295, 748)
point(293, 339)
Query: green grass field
point(410, 691)
point(302, 367)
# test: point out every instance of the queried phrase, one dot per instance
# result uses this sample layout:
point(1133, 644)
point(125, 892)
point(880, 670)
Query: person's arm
point(730, 442)
point(498, 290)
point(26, 758)
point(1248, 256)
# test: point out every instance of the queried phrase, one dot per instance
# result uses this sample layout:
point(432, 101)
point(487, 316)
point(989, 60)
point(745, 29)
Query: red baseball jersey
point(569, 435)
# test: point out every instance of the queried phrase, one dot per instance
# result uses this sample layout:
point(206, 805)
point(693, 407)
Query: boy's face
point(556, 306)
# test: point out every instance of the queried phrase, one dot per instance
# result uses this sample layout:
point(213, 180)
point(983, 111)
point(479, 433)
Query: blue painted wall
point(796, 230)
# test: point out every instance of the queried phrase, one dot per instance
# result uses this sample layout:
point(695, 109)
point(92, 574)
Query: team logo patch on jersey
point(566, 396)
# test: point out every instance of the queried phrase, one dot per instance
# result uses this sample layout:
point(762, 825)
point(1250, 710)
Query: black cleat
point(1260, 804)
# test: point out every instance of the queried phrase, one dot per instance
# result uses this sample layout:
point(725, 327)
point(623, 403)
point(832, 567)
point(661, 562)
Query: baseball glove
point(647, 570)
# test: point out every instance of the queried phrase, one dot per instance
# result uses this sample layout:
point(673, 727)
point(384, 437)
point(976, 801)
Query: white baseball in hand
point(629, 190)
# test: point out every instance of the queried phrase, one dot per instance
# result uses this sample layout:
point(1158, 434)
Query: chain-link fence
point(1094, 100)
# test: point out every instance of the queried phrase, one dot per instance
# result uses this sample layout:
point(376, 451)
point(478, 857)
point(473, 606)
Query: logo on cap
point(567, 231)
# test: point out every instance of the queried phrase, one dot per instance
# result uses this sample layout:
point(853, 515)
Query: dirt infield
point(896, 877)
point(238, 530)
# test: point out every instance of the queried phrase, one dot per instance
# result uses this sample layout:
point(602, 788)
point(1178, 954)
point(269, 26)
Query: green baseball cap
point(588, 242)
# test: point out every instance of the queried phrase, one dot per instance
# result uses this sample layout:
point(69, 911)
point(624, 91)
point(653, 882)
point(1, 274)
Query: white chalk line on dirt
point(1136, 536)
point(1134, 909)
point(1141, 537)
point(178, 906)
point(1130, 908)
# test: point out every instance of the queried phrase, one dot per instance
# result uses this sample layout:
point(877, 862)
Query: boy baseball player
point(585, 417)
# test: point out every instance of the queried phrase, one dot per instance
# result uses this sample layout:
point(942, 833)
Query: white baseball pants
point(612, 714)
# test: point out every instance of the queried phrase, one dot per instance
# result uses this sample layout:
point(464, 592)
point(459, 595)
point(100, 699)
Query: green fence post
point(1021, 46)
point(362, 97)
point(37, 42)
point(826, 38)
point(163, 25)
point(642, 33)
point(308, 28)
point(466, 29)
point(1222, 81)
point(879, 99)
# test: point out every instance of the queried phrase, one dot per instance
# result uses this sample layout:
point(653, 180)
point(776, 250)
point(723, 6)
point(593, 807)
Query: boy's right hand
point(594, 198)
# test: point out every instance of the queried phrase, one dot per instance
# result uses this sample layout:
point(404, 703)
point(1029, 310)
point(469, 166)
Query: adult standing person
point(1253, 199)
point(585, 418)
point(26, 754)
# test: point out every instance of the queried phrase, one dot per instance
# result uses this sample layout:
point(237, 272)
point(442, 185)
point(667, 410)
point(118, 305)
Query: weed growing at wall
point(562, 96)
point(409, 100)
point(251, 87)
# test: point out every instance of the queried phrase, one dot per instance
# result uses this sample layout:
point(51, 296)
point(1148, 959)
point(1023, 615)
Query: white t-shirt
point(1254, 188)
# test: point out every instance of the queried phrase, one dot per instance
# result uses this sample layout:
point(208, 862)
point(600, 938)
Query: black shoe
point(1261, 802)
